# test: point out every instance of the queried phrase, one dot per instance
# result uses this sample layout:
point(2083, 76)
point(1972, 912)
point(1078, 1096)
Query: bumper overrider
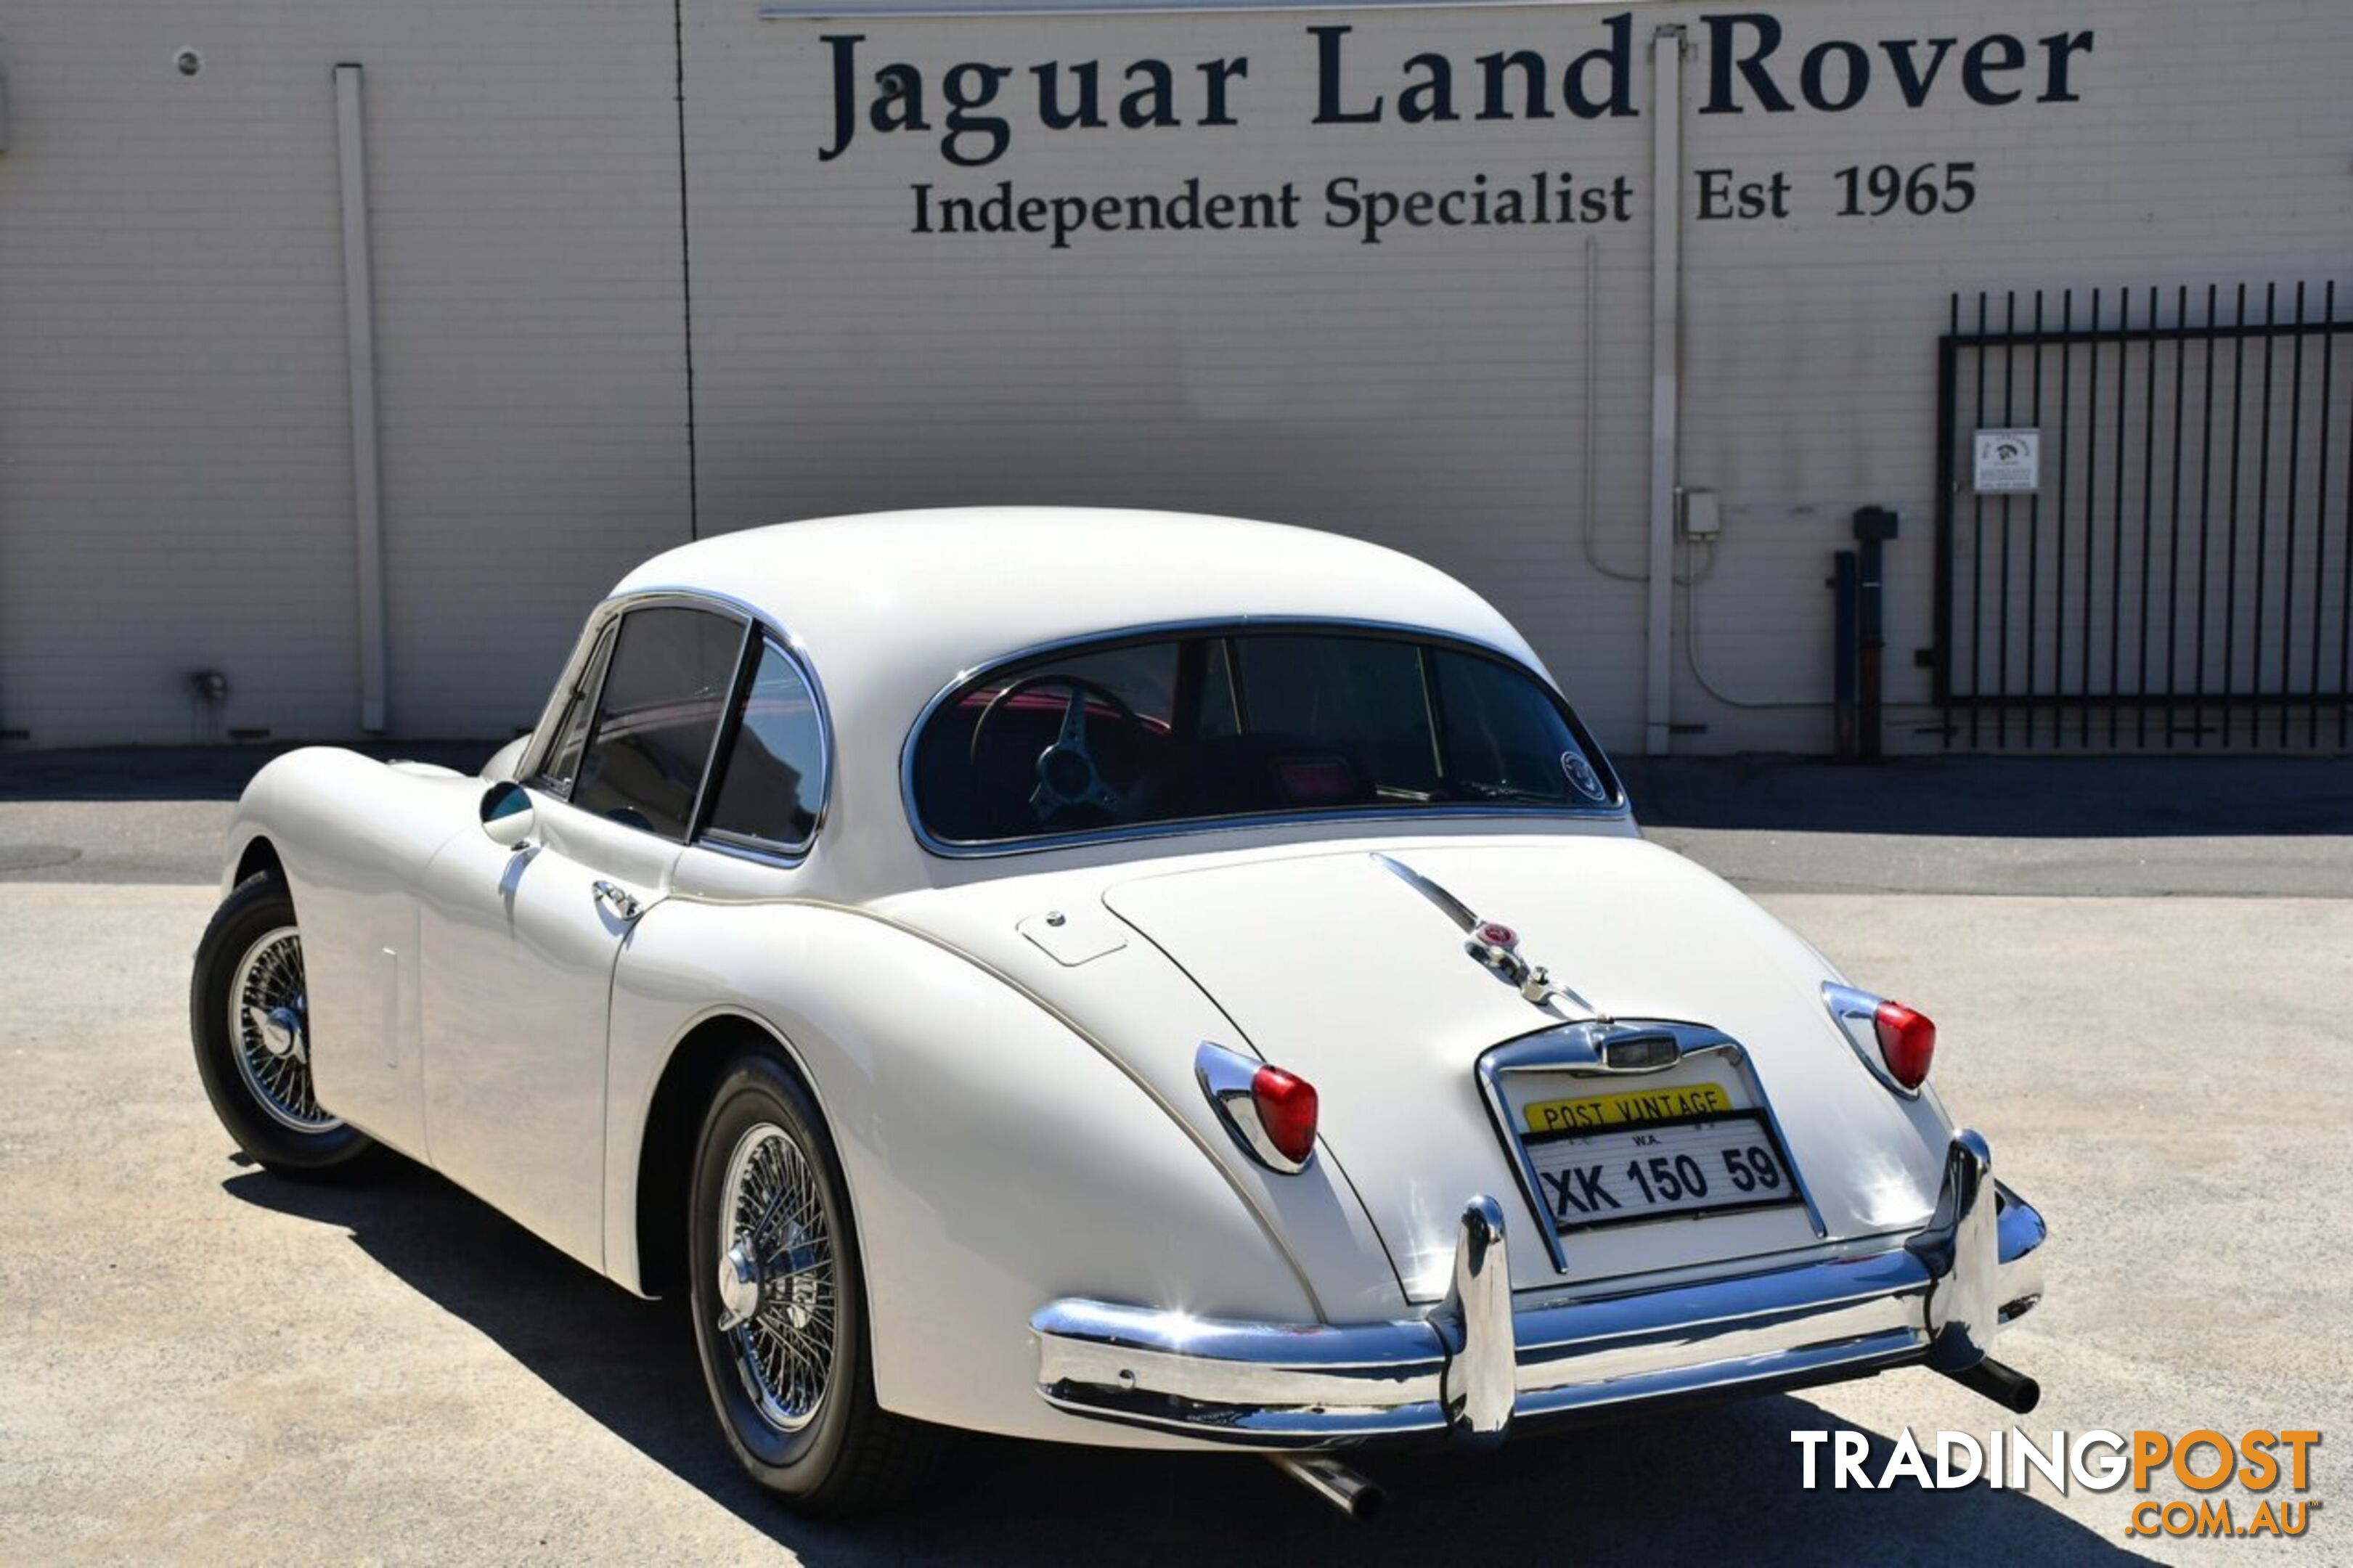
point(1478, 1363)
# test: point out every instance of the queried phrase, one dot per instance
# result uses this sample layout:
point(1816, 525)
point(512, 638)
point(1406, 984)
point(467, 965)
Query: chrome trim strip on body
point(1478, 1363)
point(1622, 808)
point(1581, 1049)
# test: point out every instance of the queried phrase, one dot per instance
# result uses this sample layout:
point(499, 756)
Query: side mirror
point(507, 814)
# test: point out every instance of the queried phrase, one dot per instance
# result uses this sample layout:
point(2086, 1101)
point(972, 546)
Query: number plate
point(1684, 1168)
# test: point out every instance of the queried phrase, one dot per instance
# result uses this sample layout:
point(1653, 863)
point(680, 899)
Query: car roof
point(890, 608)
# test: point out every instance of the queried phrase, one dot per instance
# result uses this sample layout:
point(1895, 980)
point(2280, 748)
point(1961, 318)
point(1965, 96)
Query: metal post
point(1845, 653)
point(1873, 526)
point(359, 332)
point(1666, 351)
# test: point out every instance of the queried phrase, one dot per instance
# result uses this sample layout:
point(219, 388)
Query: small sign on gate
point(2008, 461)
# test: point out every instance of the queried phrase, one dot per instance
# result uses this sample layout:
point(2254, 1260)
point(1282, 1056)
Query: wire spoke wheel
point(776, 1278)
point(270, 1028)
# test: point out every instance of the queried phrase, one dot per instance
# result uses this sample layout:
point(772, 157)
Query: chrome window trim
point(597, 718)
point(750, 846)
point(952, 850)
point(723, 734)
point(760, 630)
point(756, 851)
point(531, 766)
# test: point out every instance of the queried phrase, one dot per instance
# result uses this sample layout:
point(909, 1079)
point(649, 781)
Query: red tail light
point(1286, 1109)
point(1907, 1043)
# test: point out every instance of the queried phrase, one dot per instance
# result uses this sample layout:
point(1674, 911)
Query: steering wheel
point(1066, 772)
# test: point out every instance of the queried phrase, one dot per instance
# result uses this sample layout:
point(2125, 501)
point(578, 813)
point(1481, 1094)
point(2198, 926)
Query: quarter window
point(671, 670)
point(562, 763)
point(774, 778)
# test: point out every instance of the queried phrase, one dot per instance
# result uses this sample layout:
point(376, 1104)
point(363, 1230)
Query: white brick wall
point(173, 464)
point(175, 457)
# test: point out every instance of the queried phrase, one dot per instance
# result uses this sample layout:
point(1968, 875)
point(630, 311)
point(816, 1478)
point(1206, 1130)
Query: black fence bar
point(2090, 526)
point(2262, 519)
point(2059, 516)
point(1948, 487)
point(2345, 602)
point(2295, 471)
point(2173, 524)
point(2320, 499)
point(1976, 534)
point(2212, 576)
point(2231, 547)
point(2116, 523)
point(2147, 515)
point(2033, 534)
point(2009, 418)
point(2205, 519)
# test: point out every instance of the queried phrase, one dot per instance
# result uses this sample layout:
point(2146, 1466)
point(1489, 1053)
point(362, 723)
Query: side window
point(561, 765)
point(773, 781)
point(671, 669)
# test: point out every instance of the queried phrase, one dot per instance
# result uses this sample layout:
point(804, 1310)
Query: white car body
point(1004, 1043)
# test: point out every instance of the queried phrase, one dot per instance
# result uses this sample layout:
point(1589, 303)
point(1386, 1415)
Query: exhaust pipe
point(2005, 1385)
point(1351, 1491)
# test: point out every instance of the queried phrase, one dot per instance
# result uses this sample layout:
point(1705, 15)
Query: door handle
point(616, 899)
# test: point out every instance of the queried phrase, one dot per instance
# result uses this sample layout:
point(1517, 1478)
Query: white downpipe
point(1666, 353)
point(359, 333)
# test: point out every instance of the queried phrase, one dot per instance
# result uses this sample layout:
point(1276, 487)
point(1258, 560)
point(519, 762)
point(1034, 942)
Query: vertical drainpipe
point(1666, 353)
point(359, 334)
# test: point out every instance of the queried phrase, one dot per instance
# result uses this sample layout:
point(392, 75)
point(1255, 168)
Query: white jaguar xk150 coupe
point(1105, 977)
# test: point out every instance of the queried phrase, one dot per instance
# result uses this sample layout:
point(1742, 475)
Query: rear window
point(1246, 724)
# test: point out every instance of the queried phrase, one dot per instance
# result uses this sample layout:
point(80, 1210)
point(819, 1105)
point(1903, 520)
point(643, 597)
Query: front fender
point(354, 835)
point(996, 1159)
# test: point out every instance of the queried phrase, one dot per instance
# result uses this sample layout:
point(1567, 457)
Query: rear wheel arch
point(259, 858)
point(666, 1145)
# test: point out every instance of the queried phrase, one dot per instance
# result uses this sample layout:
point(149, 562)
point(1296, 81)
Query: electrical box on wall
point(1702, 515)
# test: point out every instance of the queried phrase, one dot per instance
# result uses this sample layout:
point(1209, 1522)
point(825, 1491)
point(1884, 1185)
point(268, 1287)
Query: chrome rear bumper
point(1478, 1363)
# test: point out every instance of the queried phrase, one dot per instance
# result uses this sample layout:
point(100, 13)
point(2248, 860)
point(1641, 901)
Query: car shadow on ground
point(1677, 1487)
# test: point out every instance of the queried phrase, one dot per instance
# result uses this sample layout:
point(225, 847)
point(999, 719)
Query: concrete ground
point(199, 1362)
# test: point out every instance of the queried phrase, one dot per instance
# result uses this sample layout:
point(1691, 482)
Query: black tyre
point(249, 1011)
point(779, 1304)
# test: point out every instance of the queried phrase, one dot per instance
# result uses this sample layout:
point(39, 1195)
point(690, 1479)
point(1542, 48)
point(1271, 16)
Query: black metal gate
point(2180, 573)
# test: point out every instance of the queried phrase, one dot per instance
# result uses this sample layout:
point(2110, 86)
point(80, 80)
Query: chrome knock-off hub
point(739, 1285)
point(285, 1031)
